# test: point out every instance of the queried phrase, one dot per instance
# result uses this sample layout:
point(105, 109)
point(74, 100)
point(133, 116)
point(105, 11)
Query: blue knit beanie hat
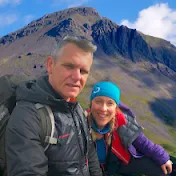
point(107, 89)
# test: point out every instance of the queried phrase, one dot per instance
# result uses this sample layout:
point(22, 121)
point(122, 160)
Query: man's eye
point(69, 66)
point(84, 72)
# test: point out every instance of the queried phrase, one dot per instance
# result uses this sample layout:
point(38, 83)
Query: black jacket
point(25, 153)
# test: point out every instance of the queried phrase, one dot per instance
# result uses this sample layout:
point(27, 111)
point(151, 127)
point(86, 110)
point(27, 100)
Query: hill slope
point(143, 66)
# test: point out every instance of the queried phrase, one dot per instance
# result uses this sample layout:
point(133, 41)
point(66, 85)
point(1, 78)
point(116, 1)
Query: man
point(74, 154)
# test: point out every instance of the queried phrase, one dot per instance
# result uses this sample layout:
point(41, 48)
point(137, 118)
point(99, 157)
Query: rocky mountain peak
point(85, 11)
point(111, 39)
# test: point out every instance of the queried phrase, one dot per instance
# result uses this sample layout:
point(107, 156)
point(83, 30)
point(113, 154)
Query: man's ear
point(49, 64)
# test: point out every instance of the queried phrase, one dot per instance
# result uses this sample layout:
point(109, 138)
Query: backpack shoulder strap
point(47, 125)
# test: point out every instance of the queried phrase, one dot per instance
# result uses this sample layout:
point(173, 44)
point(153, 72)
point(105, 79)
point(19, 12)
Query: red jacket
point(117, 147)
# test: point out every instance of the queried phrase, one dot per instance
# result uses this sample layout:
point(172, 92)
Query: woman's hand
point(167, 167)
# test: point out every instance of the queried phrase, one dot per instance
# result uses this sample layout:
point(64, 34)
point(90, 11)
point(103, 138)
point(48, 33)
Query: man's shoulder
point(24, 110)
point(25, 104)
point(23, 116)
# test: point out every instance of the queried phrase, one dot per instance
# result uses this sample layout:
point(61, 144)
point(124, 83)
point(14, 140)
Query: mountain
point(112, 39)
point(143, 66)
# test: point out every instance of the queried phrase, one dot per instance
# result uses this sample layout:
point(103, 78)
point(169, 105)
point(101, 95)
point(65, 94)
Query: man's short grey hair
point(82, 43)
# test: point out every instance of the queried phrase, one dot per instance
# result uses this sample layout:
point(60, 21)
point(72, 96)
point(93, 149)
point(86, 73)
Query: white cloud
point(28, 18)
point(12, 2)
point(3, 2)
point(70, 3)
point(7, 19)
point(158, 20)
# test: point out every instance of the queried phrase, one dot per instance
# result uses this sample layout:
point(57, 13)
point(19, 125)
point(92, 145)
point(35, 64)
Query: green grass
point(167, 144)
point(148, 118)
point(82, 100)
point(157, 139)
point(155, 42)
point(172, 130)
point(133, 101)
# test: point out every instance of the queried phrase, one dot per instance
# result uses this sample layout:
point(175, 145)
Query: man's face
point(68, 74)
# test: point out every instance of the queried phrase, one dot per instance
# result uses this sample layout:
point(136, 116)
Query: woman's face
point(103, 110)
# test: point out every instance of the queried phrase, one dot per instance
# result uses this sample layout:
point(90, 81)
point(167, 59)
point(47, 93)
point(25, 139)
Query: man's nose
point(76, 74)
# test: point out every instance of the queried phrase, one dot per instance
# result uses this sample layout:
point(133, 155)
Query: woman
point(121, 146)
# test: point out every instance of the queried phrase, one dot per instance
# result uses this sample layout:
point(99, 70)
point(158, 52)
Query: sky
point(152, 17)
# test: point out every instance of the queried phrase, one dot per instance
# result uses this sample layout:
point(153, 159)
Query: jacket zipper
point(77, 133)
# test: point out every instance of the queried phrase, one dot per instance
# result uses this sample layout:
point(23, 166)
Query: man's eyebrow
point(68, 64)
point(75, 66)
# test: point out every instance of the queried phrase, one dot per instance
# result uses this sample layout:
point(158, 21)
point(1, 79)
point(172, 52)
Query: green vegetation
point(172, 131)
point(83, 98)
point(168, 145)
point(135, 102)
point(148, 118)
point(155, 42)
point(3, 61)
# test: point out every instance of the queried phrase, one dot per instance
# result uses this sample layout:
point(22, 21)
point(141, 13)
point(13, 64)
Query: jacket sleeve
point(94, 166)
point(25, 154)
point(148, 148)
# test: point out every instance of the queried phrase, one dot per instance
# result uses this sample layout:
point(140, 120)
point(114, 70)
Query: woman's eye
point(97, 101)
point(110, 103)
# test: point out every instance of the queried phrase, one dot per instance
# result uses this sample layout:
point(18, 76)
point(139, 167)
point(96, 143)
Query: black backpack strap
point(48, 125)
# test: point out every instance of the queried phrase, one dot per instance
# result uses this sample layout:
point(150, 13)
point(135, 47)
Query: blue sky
point(152, 17)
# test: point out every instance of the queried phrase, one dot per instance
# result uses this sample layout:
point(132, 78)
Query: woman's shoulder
point(120, 118)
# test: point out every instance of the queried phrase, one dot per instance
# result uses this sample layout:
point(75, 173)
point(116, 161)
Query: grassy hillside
point(151, 98)
point(139, 96)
